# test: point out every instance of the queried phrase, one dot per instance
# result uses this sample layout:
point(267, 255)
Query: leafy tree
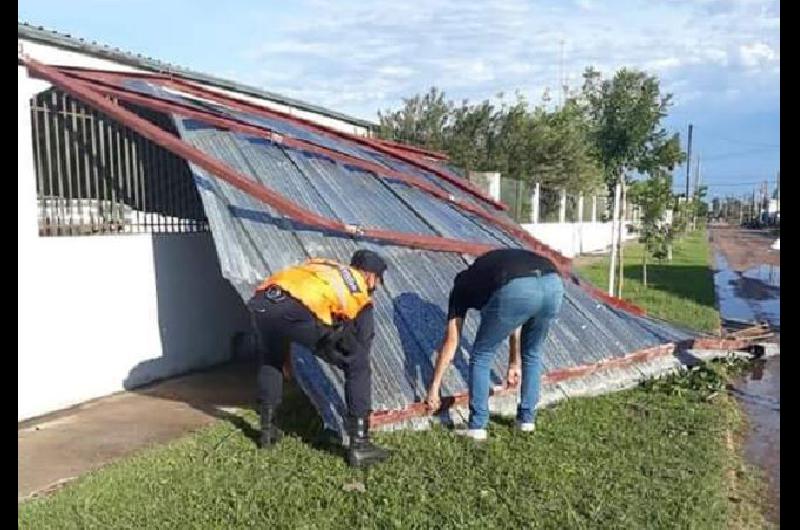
point(522, 143)
point(421, 121)
point(654, 196)
point(626, 113)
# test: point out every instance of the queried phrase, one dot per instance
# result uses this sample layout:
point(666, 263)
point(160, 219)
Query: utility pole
point(562, 84)
point(688, 161)
point(778, 192)
point(696, 191)
point(741, 208)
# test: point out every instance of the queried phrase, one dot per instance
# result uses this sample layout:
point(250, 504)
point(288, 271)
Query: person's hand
point(513, 376)
point(432, 400)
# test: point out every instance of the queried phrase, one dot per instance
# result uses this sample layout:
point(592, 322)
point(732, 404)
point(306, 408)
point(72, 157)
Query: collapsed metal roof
point(277, 190)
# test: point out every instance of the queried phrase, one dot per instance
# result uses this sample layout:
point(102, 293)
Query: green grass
point(681, 290)
point(653, 457)
point(658, 456)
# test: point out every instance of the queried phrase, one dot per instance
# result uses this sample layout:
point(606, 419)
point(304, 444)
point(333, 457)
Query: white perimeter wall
point(98, 314)
point(572, 239)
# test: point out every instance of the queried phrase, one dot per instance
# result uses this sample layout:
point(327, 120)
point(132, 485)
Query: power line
point(740, 153)
point(711, 184)
point(743, 142)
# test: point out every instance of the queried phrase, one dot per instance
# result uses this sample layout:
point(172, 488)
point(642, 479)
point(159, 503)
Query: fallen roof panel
point(411, 310)
point(270, 206)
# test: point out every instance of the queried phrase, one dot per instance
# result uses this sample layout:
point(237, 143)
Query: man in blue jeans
point(518, 293)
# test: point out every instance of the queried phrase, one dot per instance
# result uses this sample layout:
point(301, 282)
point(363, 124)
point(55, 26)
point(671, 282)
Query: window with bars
point(95, 176)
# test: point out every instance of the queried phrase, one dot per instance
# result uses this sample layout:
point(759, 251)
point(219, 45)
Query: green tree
point(654, 196)
point(421, 120)
point(522, 143)
point(699, 205)
point(471, 136)
point(626, 112)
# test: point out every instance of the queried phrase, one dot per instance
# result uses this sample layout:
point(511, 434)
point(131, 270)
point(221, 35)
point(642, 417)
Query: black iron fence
point(95, 176)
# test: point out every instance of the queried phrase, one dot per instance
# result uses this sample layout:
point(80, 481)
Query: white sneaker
point(476, 434)
point(526, 427)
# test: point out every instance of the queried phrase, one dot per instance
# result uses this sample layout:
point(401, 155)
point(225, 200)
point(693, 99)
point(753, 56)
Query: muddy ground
point(745, 249)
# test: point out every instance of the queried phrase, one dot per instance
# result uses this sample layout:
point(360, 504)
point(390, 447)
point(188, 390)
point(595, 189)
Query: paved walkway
point(54, 449)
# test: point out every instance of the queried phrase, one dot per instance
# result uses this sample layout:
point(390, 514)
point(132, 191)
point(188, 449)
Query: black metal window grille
point(96, 176)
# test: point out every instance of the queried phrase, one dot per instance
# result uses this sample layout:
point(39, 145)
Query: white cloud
point(757, 54)
point(659, 65)
point(359, 56)
point(395, 71)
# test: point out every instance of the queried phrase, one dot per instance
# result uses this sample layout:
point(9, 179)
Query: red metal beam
point(563, 263)
point(413, 149)
point(113, 74)
point(116, 75)
point(416, 410)
point(413, 240)
point(610, 300)
point(109, 86)
point(245, 106)
point(84, 93)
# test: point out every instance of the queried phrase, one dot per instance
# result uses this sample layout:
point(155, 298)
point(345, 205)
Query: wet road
point(750, 296)
point(753, 295)
point(760, 396)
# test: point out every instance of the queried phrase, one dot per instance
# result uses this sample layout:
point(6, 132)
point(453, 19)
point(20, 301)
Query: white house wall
point(98, 314)
point(572, 239)
point(58, 56)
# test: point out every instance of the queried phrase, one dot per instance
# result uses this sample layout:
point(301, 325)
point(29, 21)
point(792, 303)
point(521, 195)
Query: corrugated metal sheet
point(252, 241)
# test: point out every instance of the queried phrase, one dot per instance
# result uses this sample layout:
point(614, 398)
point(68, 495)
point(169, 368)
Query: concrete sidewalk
point(57, 448)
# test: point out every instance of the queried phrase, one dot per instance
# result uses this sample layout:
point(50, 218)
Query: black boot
point(362, 452)
point(270, 434)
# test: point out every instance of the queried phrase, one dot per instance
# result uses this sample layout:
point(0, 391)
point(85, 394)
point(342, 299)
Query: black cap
point(369, 261)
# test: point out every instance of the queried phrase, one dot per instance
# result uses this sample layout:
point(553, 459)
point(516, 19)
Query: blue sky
point(719, 58)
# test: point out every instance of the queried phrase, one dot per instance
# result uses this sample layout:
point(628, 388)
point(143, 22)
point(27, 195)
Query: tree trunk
point(621, 238)
point(669, 252)
point(614, 234)
point(644, 268)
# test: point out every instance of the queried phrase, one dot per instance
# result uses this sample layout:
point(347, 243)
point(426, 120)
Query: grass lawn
point(658, 456)
point(681, 291)
point(646, 458)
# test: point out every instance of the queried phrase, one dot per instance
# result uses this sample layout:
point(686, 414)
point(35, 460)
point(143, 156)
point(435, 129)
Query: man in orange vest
point(327, 307)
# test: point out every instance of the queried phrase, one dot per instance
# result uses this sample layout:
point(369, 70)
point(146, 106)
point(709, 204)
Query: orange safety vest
point(328, 289)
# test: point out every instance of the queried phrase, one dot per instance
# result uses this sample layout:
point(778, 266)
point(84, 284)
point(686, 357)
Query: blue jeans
point(530, 302)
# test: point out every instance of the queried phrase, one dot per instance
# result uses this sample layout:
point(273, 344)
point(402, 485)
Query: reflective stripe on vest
point(327, 288)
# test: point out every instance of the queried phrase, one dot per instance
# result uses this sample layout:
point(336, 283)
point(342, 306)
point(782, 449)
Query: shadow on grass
point(690, 282)
point(506, 421)
point(228, 392)
point(298, 417)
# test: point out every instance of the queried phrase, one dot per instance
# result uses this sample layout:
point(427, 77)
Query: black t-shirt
point(473, 287)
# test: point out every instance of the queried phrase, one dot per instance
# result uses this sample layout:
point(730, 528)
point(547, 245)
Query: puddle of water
point(754, 296)
point(751, 296)
point(759, 395)
point(768, 274)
